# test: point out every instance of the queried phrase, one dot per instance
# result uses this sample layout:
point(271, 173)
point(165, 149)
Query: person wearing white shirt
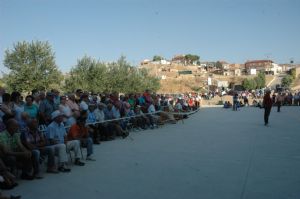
point(84, 102)
point(69, 120)
point(152, 117)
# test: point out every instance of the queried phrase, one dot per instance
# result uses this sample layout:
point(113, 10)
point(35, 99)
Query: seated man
point(8, 180)
point(79, 131)
point(104, 128)
point(225, 105)
point(91, 119)
point(34, 141)
point(56, 134)
point(167, 115)
point(14, 152)
point(141, 119)
point(152, 117)
point(115, 127)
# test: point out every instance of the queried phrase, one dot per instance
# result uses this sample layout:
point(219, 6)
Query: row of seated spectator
point(47, 126)
point(227, 104)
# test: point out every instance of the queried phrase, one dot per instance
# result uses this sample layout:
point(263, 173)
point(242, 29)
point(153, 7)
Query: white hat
point(55, 114)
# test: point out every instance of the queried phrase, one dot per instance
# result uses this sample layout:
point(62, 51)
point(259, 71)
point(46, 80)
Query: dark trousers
point(278, 106)
point(267, 114)
point(95, 134)
point(15, 162)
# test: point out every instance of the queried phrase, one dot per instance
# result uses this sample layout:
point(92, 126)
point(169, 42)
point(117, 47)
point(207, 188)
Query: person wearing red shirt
point(79, 131)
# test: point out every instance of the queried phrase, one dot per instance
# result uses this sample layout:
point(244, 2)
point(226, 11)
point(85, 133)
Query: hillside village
point(180, 75)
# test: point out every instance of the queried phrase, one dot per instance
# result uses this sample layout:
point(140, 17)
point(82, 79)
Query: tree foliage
point(257, 82)
point(191, 59)
point(249, 84)
point(287, 81)
point(219, 65)
point(31, 66)
point(92, 75)
point(2, 82)
point(88, 74)
point(260, 80)
point(293, 73)
point(157, 58)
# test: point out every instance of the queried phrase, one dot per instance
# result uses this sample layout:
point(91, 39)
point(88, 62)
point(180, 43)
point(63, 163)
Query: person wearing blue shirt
point(56, 136)
point(91, 118)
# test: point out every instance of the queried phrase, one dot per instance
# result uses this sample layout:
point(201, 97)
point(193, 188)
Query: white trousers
point(74, 145)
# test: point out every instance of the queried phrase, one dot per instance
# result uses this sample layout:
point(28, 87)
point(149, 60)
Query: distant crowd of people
point(46, 126)
point(278, 99)
point(270, 99)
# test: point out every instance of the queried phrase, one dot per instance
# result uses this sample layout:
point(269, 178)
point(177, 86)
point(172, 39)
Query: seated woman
point(30, 108)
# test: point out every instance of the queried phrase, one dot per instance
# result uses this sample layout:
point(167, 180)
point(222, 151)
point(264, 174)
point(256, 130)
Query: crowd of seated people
point(227, 104)
point(47, 126)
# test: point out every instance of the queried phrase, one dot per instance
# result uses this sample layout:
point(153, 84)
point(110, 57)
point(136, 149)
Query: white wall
point(252, 71)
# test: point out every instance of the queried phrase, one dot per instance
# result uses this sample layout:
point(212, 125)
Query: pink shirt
point(73, 106)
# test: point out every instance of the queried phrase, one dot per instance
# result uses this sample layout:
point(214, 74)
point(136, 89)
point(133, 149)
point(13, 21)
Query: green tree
point(2, 82)
point(293, 73)
point(157, 58)
point(287, 81)
point(246, 84)
point(191, 59)
point(88, 74)
point(31, 66)
point(147, 82)
point(92, 75)
point(219, 65)
point(126, 78)
point(249, 84)
point(260, 80)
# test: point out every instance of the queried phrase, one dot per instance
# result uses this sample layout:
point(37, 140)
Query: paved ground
point(215, 154)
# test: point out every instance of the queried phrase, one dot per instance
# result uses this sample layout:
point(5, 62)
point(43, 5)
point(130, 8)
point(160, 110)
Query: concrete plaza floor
point(215, 154)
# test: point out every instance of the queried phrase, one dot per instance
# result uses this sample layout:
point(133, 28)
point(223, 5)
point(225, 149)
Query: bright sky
point(230, 30)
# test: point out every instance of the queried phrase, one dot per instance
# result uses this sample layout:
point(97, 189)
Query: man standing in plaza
point(267, 104)
point(279, 101)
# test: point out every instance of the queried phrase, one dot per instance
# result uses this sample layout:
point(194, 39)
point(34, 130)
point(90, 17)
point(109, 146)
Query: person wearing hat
point(56, 135)
point(46, 107)
point(267, 104)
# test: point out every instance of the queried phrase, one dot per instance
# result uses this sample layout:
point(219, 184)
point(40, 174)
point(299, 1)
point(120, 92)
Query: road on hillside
point(277, 80)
